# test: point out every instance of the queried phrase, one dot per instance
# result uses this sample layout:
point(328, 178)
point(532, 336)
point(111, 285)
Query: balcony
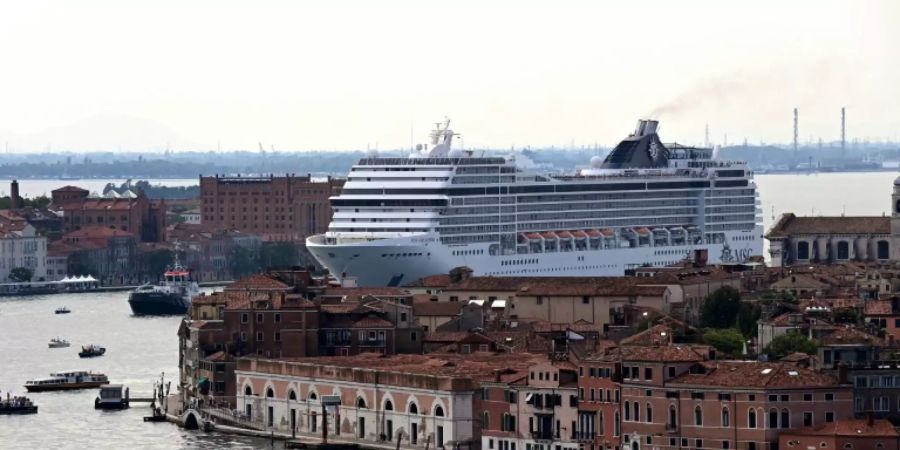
point(583, 436)
point(542, 435)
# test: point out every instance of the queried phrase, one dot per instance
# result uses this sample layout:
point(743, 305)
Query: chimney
point(14, 195)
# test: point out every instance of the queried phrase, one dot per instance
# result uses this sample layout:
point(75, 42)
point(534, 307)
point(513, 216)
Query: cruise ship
point(646, 204)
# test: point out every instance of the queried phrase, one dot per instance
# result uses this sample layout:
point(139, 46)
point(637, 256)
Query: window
point(829, 397)
point(773, 418)
point(726, 444)
point(785, 418)
point(649, 413)
point(277, 317)
point(259, 336)
point(540, 300)
point(807, 397)
point(413, 408)
point(698, 416)
point(259, 318)
point(243, 336)
point(858, 404)
point(785, 397)
point(751, 418)
point(726, 418)
point(585, 300)
point(403, 317)
point(773, 398)
point(673, 417)
point(671, 371)
point(829, 417)
point(751, 397)
point(807, 419)
point(277, 336)
point(648, 373)
point(245, 318)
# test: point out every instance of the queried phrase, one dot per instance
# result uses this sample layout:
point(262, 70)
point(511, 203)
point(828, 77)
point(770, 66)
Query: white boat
point(645, 204)
point(58, 343)
point(61, 381)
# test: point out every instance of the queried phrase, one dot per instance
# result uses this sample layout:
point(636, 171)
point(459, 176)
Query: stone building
point(20, 246)
point(805, 240)
point(283, 208)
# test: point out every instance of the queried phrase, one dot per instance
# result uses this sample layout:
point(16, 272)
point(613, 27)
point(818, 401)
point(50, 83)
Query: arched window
point(627, 412)
point(698, 416)
point(803, 250)
point(843, 250)
point(312, 396)
point(883, 250)
point(751, 418)
point(485, 420)
point(270, 392)
point(617, 424)
point(773, 418)
point(248, 390)
point(413, 408)
point(673, 417)
point(388, 405)
point(361, 403)
point(649, 413)
point(292, 395)
point(439, 411)
point(726, 418)
point(785, 418)
point(637, 411)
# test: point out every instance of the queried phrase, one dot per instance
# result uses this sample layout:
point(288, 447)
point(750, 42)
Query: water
point(33, 188)
point(137, 351)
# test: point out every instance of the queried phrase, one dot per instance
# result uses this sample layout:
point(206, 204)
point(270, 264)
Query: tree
point(728, 341)
point(789, 343)
point(748, 318)
point(20, 274)
point(720, 308)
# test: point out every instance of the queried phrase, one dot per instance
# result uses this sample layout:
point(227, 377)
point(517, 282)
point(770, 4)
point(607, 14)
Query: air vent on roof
point(793, 373)
point(766, 371)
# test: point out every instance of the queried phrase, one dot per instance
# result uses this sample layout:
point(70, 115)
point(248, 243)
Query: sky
point(302, 75)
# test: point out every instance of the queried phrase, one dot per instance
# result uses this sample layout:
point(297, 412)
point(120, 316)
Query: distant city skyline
point(104, 75)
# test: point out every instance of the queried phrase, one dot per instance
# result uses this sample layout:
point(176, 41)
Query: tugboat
point(90, 351)
point(64, 381)
point(63, 310)
point(171, 297)
point(58, 343)
point(17, 405)
point(111, 397)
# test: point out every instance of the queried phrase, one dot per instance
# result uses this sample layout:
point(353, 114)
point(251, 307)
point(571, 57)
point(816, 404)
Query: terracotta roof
point(69, 188)
point(789, 224)
point(857, 428)
point(445, 336)
point(581, 325)
point(879, 308)
point(798, 281)
point(257, 282)
point(429, 308)
point(796, 357)
point(850, 336)
point(751, 374)
point(479, 366)
point(372, 322)
point(106, 204)
point(340, 308)
point(366, 291)
point(656, 335)
point(60, 248)
point(96, 232)
point(668, 353)
point(219, 356)
point(431, 281)
point(562, 286)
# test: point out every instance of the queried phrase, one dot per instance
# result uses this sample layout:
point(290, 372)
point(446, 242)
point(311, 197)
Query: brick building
point(137, 214)
point(283, 208)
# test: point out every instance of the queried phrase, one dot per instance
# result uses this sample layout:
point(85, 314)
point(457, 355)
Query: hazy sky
point(337, 75)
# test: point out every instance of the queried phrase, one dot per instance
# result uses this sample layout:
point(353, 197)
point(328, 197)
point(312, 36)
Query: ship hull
point(64, 386)
point(13, 410)
point(395, 262)
point(157, 304)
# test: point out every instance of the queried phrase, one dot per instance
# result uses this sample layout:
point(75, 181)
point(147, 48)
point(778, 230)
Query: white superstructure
point(646, 203)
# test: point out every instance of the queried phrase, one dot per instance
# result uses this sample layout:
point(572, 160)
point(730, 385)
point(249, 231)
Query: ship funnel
point(645, 127)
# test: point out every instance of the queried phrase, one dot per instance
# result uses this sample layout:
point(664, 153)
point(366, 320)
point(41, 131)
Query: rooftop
point(752, 374)
point(850, 427)
point(789, 224)
point(429, 308)
point(258, 282)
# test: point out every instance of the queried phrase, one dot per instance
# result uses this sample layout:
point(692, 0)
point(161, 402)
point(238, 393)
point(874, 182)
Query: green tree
point(748, 318)
point(21, 274)
point(242, 262)
point(157, 261)
point(728, 341)
point(720, 308)
point(278, 255)
point(789, 343)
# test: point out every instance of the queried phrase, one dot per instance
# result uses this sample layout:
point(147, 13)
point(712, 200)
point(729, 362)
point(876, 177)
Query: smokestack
point(796, 130)
point(645, 127)
point(843, 130)
point(14, 195)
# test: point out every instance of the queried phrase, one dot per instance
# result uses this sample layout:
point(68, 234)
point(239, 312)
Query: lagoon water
point(139, 349)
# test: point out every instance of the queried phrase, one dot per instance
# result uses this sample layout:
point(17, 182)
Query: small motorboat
point(58, 343)
point(63, 310)
point(90, 351)
point(158, 416)
point(111, 397)
point(17, 405)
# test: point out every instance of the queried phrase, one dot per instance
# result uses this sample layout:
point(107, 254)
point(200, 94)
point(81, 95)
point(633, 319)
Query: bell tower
point(895, 219)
